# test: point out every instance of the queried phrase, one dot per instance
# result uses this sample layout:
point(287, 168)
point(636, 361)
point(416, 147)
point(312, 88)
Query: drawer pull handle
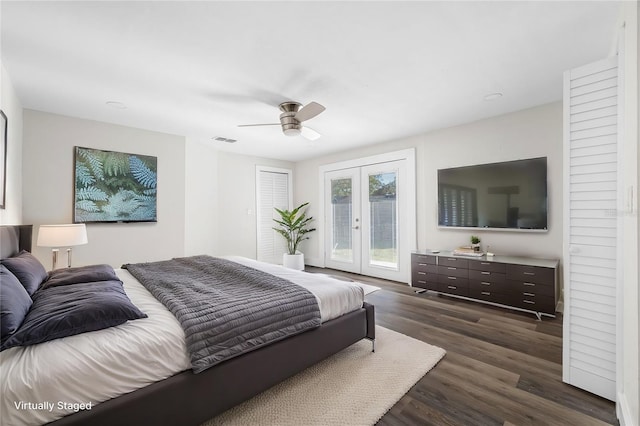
point(485, 263)
point(485, 273)
point(531, 302)
point(422, 282)
point(529, 284)
point(422, 273)
point(451, 259)
point(422, 264)
point(452, 268)
point(529, 294)
point(484, 283)
point(529, 273)
point(451, 278)
point(486, 293)
point(452, 287)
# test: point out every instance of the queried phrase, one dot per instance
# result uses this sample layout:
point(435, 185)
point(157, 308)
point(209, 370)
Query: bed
point(186, 398)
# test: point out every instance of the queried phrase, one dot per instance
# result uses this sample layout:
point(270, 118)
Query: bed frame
point(191, 399)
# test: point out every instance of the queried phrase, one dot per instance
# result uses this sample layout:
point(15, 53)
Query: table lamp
point(62, 236)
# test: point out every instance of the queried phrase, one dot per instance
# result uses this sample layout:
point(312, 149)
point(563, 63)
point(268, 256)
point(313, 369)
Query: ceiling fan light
point(292, 131)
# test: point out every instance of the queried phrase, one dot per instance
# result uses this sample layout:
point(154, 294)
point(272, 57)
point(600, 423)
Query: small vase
point(476, 247)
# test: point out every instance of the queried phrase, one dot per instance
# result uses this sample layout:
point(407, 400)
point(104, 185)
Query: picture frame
point(3, 159)
point(115, 187)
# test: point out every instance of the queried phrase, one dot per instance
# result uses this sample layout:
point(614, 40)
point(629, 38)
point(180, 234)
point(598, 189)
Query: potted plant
point(475, 243)
point(294, 227)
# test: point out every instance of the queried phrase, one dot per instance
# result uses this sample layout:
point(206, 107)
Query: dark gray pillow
point(67, 310)
point(80, 274)
point(14, 303)
point(27, 269)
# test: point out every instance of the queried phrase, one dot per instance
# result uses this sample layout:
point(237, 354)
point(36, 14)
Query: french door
point(362, 209)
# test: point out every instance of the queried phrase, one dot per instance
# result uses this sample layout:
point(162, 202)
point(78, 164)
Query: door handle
point(355, 227)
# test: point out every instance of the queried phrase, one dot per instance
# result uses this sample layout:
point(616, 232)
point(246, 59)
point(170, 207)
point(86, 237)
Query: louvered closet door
point(590, 227)
point(273, 191)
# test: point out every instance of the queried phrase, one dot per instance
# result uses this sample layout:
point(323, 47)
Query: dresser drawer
point(453, 261)
point(489, 295)
point(424, 267)
point(522, 287)
point(531, 274)
point(483, 265)
point(423, 258)
point(454, 287)
point(453, 271)
point(449, 279)
point(494, 277)
point(424, 280)
point(544, 304)
point(494, 287)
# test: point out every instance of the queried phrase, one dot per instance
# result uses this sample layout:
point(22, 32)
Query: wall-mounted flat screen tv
point(507, 195)
point(114, 186)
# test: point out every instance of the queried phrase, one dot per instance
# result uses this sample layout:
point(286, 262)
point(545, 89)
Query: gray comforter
point(227, 309)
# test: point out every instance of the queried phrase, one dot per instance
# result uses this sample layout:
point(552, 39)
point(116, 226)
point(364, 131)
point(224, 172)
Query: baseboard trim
point(314, 261)
point(623, 411)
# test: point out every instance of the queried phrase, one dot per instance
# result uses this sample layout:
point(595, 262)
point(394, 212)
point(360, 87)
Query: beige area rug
point(367, 288)
point(353, 387)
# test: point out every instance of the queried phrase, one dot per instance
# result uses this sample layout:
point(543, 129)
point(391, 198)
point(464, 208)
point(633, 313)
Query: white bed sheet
point(36, 381)
point(335, 297)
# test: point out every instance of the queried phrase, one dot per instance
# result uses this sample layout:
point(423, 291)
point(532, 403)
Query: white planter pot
point(293, 261)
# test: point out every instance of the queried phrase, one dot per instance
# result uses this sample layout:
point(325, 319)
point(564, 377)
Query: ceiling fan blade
point(309, 133)
point(309, 111)
point(254, 125)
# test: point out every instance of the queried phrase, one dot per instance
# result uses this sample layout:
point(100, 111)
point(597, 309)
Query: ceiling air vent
point(221, 139)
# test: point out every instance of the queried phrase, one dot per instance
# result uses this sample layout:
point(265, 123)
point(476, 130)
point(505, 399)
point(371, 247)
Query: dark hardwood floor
point(502, 367)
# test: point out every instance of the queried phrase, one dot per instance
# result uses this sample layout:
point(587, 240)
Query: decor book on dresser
point(520, 283)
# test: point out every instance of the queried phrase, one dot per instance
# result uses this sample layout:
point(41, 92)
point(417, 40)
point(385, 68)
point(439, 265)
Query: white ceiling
point(384, 70)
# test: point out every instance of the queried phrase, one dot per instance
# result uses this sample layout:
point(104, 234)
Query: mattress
point(44, 382)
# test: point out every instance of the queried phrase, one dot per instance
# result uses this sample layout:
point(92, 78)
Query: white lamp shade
point(62, 235)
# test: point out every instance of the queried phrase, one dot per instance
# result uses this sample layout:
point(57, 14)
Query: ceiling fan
point(292, 116)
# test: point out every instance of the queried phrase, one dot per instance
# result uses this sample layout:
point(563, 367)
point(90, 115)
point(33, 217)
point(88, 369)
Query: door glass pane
point(341, 204)
point(383, 209)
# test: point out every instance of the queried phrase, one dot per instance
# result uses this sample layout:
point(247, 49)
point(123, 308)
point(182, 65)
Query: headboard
point(14, 238)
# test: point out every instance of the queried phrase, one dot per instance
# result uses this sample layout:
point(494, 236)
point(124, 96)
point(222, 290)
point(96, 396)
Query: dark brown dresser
point(512, 282)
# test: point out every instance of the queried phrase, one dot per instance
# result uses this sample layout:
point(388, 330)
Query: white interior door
point(273, 190)
point(591, 226)
point(364, 234)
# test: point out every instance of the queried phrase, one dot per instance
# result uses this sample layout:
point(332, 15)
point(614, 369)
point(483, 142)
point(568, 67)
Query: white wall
point(201, 199)
point(10, 105)
point(535, 132)
point(237, 202)
point(48, 145)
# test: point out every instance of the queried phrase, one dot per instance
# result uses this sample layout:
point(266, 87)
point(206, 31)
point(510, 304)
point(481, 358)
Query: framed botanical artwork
point(114, 186)
point(3, 159)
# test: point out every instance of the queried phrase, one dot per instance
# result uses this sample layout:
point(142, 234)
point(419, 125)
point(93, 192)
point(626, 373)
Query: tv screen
point(507, 195)
point(114, 186)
